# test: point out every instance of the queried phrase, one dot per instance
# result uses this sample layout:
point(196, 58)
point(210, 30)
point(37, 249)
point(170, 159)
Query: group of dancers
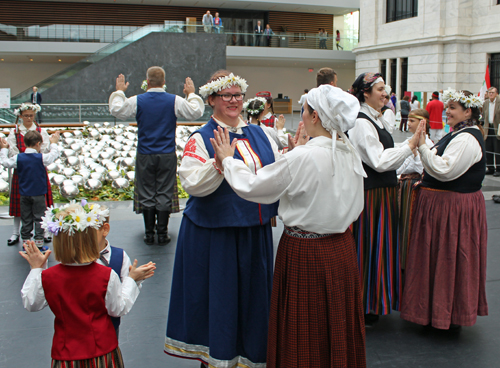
point(358, 242)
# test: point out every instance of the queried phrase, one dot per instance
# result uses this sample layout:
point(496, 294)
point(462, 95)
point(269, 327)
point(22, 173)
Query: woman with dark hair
point(223, 270)
point(446, 268)
point(375, 231)
point(268, 117)
point(415, 103)
point(405, 110)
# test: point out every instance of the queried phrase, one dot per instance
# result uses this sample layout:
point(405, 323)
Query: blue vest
point(223, 208)
point(32, 174)
point(115, 262)
point(156, 121)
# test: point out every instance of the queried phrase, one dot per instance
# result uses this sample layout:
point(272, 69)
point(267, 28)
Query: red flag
point(487, 77)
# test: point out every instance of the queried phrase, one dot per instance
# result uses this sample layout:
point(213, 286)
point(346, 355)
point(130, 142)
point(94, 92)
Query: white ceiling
point(335, 7)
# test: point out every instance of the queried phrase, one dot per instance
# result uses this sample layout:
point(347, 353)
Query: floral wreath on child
point(24, 106)
point(468, 101)
point(259, 109)
point(223, 83)
point(90, 215)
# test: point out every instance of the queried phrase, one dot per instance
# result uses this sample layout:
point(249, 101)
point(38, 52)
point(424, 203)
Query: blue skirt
point(221, 292)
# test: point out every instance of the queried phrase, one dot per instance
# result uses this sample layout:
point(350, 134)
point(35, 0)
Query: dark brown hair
point(325, 76)
point(31, 138)
point(406, 98)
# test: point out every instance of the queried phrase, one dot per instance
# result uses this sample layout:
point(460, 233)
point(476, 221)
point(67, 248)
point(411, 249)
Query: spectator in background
point(388, 101)
point(36, 99)
point(394, 100)
point(435, 109)
point(388, 114)
point(323, 36)
point(303, 97)
point(405, 110)
point(491, 116)
point(258, 31)
point(337, 40)
point(268, 33)
point(217, 23)
point(208, 22)
point(415, 103)
point(326, 76)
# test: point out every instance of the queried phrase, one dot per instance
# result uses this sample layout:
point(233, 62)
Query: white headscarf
point(338, 111)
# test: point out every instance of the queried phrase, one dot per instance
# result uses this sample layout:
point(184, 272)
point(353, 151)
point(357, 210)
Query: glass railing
point(111, 34)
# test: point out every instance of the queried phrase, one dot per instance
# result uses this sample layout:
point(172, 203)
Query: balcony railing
point(109, 34)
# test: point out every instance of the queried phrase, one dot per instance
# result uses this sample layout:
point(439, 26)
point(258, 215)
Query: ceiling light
point(59, 60)
point(31, 59)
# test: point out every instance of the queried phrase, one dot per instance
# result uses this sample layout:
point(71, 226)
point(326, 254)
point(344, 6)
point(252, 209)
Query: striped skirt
point(405, 191)
point(316, 317)
point(376, 236)
point(110, 360)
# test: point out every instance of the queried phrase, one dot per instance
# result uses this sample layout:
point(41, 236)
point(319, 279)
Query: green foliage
point(181, 191)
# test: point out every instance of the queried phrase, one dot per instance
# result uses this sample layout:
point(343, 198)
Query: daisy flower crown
point(144, 85)
point(223, 83)
point(89, 215)
point(468, 101)
point(24, 107)
point(259, 109)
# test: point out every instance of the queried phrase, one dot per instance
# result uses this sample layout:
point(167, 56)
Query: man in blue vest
point(156, 112)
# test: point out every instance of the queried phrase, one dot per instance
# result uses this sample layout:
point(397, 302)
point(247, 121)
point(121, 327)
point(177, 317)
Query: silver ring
point(304, 136)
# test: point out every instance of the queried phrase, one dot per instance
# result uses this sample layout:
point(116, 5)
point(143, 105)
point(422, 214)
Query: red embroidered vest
point(76, 295)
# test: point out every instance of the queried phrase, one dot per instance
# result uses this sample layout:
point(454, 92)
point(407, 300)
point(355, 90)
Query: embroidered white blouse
point(311, 197)
point(365, 139)
point(120, 297)
point(198, 173)
point(11, 139)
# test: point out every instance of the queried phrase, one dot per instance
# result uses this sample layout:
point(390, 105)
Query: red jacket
point(435, 109)
point(76, 295)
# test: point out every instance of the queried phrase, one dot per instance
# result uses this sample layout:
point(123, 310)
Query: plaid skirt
point(15, 196)
point(110, 360)
point(316, 317)
point(175, 201)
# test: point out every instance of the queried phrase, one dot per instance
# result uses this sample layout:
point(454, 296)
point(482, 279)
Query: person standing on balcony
point(156, 112)
point(217, 23)
point(36, 99)
point(337, 40)
point(323, 35)
point(268, 33)
point(258, 31)
point(208, 22)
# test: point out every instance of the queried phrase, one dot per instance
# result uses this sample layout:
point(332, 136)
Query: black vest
point(469, 182)
point(376, 179)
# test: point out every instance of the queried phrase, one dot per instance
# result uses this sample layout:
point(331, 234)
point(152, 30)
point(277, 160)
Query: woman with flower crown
point(26, 116)
point(446, 265)
point(222, 279)
point(84, 335)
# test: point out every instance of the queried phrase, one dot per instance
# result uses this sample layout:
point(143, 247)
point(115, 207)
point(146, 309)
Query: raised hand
point(54, 138)
point(120, 83)
point(222, 145)
point(419, 137)
point(280, 123)
point(142, 272)
point(188, 86)
point(35, 258)
point(3, 143)
point(301, 136)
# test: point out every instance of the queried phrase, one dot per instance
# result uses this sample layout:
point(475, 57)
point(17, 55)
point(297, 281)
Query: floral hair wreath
point(144, 85)
point(223, 83)
point(259, 109)
point(468, 101)
point(90, 215)
point(24, 107)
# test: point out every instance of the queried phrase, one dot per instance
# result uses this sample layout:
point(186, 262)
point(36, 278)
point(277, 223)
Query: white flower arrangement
point(90, 215)
point(255, 111)
point(223, 83)
point(467, 101)
point(35, 107)
point(144, 85)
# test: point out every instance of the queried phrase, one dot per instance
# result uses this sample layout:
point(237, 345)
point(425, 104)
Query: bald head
point(156, 76)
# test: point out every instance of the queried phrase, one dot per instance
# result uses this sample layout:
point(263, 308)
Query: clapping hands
point(300, 138)
point(222, 145)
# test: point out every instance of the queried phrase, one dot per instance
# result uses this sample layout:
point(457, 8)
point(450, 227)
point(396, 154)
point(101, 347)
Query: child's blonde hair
point(81, 247)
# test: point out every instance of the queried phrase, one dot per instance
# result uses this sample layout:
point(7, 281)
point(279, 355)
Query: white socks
point(15, 230)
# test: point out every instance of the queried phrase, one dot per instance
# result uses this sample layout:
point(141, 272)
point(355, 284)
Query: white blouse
point(119, 299)
point(279, 137)
point(458, 157)
point(198, 173)
point(123, 108)
point(11, 139)
point(365, 139)
point(413, 164)
point(311, 197)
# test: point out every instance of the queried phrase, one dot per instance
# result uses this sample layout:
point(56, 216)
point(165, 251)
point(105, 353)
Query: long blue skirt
point(221, 292)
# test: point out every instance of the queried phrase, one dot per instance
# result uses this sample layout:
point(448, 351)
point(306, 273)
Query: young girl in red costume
point(81, 293)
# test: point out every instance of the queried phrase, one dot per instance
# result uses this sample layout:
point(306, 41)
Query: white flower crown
point(24, 107)
point(467, 101)
point(144, 85)
point(255, 111)
point(223, 83)
point(90, 215)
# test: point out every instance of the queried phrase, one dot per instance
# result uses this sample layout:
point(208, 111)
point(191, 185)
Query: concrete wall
point(180, 54)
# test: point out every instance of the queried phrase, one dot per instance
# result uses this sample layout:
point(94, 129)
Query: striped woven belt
point(296, 232)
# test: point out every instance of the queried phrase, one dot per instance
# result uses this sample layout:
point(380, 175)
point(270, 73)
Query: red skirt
point(446, 264)
point(15, 196)
point(316, 317)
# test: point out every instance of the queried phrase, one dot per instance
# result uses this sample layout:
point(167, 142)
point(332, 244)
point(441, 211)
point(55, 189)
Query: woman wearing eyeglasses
point(221, 287)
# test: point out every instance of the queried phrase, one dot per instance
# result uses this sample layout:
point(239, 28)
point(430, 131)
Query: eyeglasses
point(28, 116)
point(229, 97)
